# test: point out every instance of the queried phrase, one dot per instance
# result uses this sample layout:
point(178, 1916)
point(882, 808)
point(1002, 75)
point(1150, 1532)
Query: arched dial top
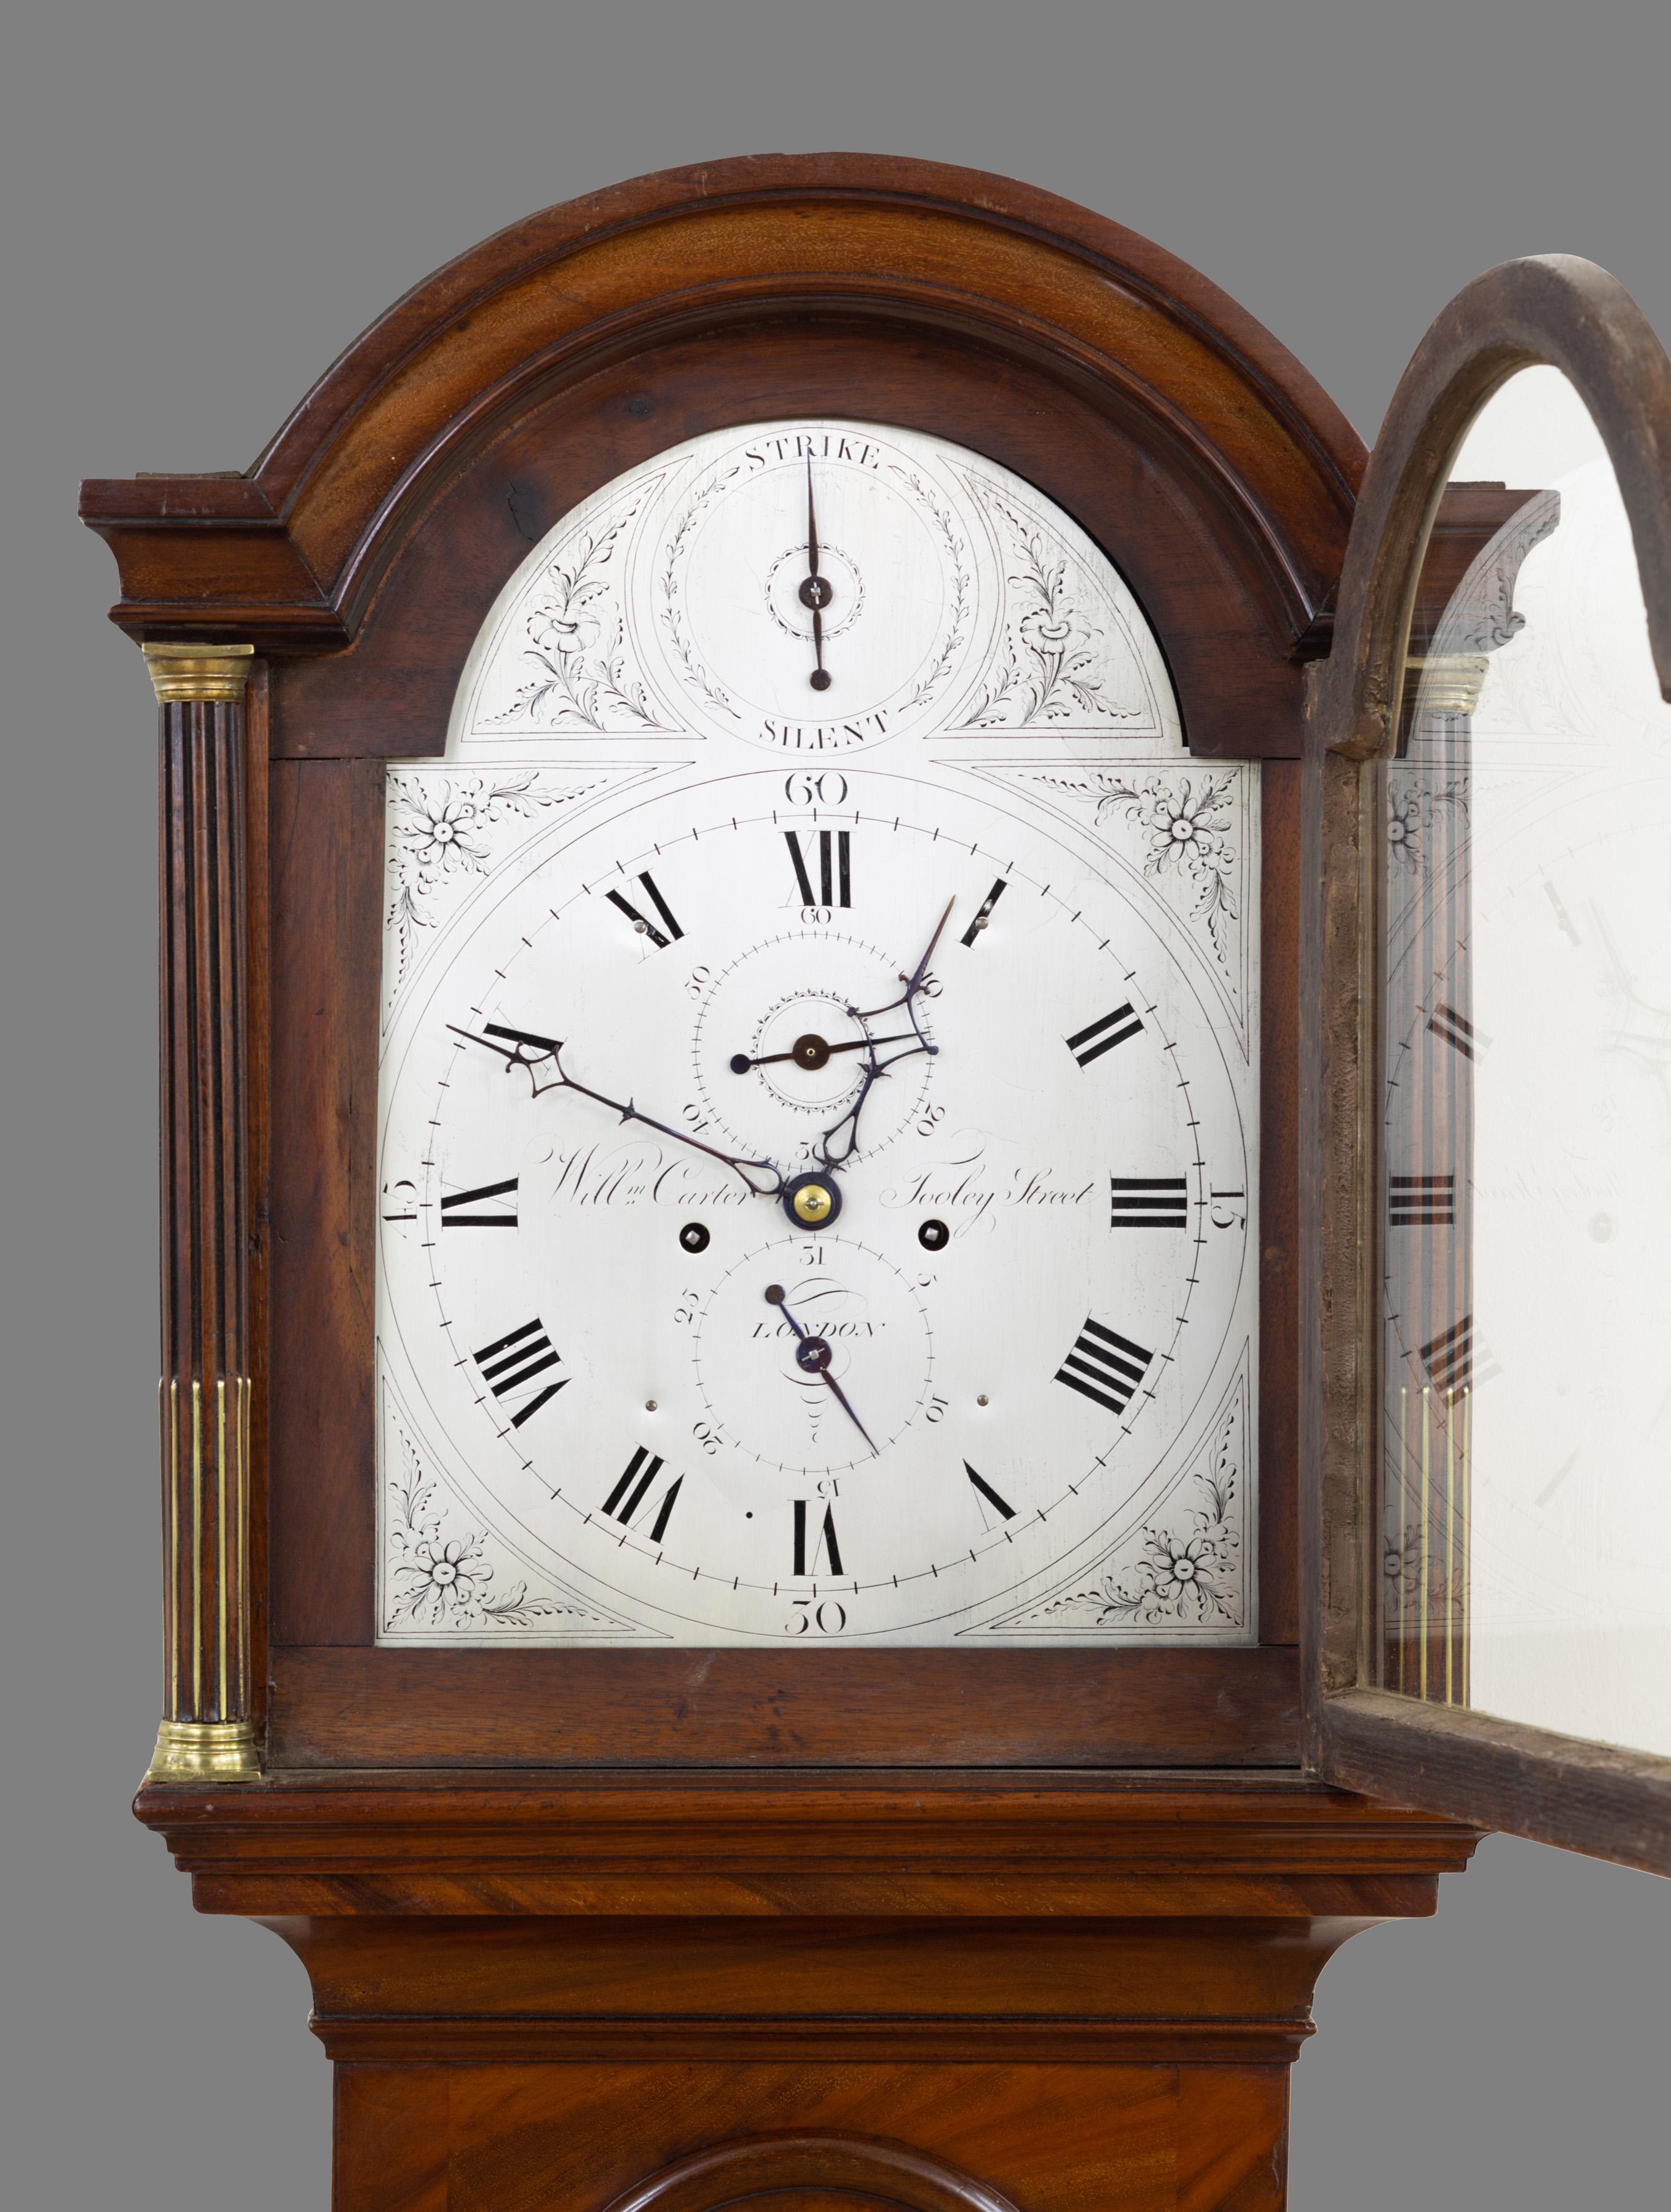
point(818, 1091)
point(813, 589)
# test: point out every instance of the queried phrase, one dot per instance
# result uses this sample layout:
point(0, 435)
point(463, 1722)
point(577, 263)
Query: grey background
point(204, 201)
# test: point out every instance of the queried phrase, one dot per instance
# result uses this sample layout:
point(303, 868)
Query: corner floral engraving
point(1185, 1568)
point(1052, 667)
point(443, 832)
point(1188, 1569)
point(577, 643)
point(442, 1572)
point(1188, 824)
point(438, 1575)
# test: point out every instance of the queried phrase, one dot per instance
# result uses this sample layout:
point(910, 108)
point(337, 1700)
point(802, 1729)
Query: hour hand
point(815, 592)
point(525, 1049)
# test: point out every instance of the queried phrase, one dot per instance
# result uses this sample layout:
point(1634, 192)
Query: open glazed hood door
point(1487, 1084)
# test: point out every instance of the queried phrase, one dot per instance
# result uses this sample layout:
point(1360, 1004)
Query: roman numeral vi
point(824, 1541)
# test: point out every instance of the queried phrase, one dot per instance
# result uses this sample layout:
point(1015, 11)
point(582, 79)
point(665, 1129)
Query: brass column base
point(204, 1751)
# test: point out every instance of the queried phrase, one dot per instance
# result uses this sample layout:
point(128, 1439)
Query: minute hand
point(839, 1141)
point(761, 1177)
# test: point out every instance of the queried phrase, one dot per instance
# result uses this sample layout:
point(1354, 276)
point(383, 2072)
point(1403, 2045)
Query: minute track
point(1040, 1510)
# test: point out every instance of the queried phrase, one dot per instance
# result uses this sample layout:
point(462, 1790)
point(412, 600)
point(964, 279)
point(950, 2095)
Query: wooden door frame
point(1567, 313)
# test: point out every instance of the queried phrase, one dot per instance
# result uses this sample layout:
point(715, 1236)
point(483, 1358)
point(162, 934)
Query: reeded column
point(204, 1394)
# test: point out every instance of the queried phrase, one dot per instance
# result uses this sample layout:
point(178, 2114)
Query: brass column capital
point(198, 672)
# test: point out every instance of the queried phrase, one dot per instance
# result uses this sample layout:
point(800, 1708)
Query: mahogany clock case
point(360, 556)
point(918, 1927)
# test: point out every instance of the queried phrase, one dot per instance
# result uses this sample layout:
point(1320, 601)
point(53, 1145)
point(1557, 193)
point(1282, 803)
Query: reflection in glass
point(1526, 1170)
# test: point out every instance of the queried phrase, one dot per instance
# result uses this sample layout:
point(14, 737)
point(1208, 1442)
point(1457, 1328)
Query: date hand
point(815, 592)
point(812, 1357)
point(540, 1056)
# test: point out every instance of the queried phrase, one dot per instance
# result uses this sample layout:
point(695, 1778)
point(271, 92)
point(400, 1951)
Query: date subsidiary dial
point(827, 1374)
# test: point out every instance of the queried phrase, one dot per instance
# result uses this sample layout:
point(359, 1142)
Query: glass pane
point(1526, 1169)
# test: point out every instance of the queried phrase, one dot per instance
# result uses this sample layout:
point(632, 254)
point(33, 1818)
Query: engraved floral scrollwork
point(1405, 1558)
point(437, 1572)
point(958, 569)
point(442, 833)
point(1052, 665)
point(1480, 618)
point(1182, 1568)
point(1413, 812)
point(1188, 824)
point(1188, 1570)
point(671, 591)
point(577, 644)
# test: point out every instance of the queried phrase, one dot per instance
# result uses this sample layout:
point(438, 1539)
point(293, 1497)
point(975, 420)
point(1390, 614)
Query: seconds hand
point(815, 592)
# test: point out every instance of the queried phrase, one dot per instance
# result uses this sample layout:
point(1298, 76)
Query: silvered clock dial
point(818, 1140)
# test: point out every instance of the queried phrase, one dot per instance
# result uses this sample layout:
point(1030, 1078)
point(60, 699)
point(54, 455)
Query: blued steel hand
point(812, 1052)
point(835, 1149)
point(527, 1050)
point(812, 1357)
point(815, 592)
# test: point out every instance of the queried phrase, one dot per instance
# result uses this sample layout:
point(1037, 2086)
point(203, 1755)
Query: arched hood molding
point(291, 556)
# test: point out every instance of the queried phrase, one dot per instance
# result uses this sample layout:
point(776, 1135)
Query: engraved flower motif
point(1183, 1569)
point(1404, 830)
point(1187, 1579)
point(1052, 629)
point(1186, 827)
point(565, 630)
point(1413, 812)
point(453, 1571)
point(1185, 1576)
point(442, 828)
point(436, 1584)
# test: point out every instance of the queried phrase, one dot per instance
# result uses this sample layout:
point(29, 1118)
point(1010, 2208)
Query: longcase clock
point(837, 1203)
